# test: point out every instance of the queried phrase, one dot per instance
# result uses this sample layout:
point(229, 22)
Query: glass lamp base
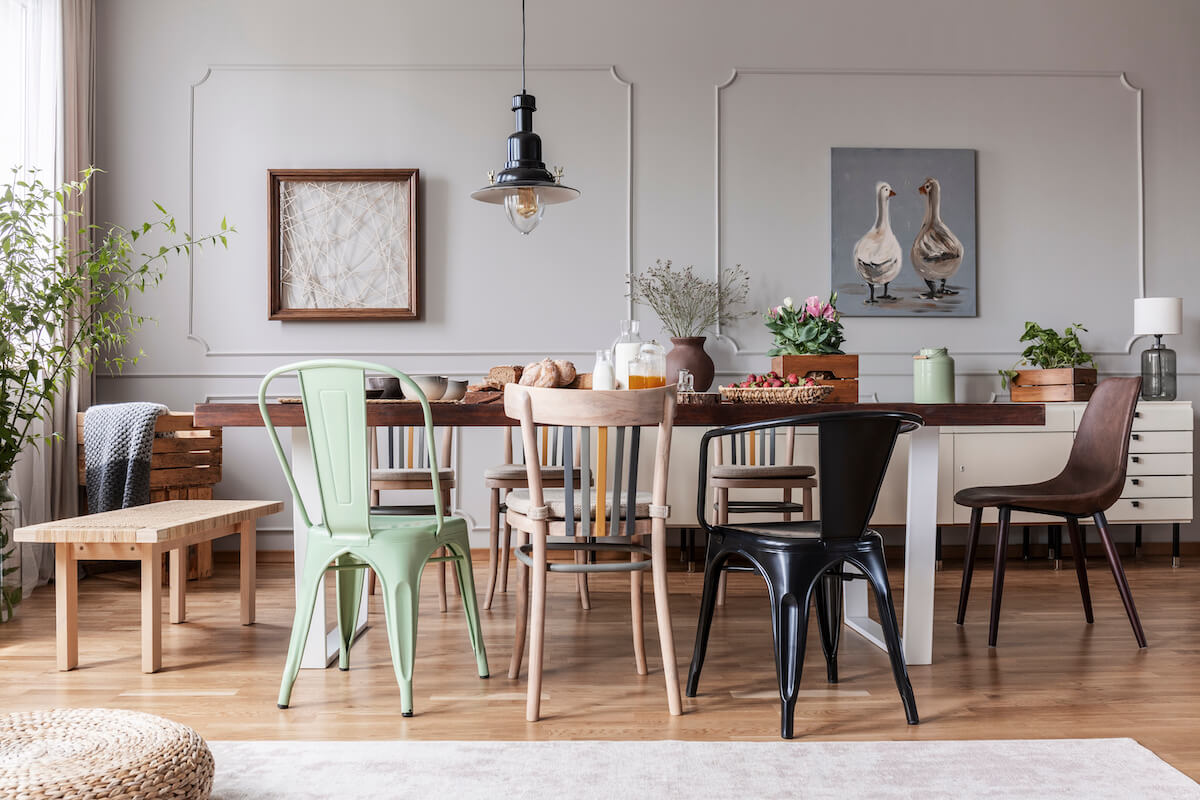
point(1158, 373)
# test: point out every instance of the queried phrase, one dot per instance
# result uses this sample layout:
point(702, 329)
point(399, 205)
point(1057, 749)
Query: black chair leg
point(1079, 551)
point(875, 567)
point(829, 619)
point(998, 574)
point(1175, 562)
point(969, 562)
point(1114, 562)
point(791, 593)
point(714, 560)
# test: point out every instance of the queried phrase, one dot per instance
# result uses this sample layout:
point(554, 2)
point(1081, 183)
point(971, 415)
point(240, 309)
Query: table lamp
point(1158, 317)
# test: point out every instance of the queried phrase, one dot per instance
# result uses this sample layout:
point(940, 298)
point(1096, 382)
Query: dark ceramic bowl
point(387, 386)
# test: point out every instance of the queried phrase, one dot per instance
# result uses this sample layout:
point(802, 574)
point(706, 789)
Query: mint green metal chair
point(349, 539)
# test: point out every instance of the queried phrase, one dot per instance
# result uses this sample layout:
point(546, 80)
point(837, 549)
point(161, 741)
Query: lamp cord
point(522, 46)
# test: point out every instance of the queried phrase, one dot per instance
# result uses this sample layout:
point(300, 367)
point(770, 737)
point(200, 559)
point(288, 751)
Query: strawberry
point(792, 379)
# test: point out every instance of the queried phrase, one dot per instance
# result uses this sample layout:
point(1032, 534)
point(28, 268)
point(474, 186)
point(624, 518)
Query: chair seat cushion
point(769, 471)
point(778, 530)
point(1050, 496)
point(518, 501)
point(516, 472)
point(445, 474)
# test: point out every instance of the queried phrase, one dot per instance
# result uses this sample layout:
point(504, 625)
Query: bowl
point(455, 390)
point(386, 385)
point(432, 386)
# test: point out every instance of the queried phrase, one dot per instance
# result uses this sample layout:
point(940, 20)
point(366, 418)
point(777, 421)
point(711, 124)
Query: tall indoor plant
point(62, 309)
point(689, 307)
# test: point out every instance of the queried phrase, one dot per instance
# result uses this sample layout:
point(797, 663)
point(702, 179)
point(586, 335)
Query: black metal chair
point(802, 558)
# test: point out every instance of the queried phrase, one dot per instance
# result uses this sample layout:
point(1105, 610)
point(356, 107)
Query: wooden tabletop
point(291, 415)
point(149, 524)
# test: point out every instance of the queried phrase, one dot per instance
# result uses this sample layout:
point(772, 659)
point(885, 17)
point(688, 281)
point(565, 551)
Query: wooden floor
point(1052, 676)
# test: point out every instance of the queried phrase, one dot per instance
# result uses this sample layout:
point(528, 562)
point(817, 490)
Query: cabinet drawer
point(1155, 509)
point(1154, 417)
point(1160, 464)
point(1160, 442)
point(1158, 486)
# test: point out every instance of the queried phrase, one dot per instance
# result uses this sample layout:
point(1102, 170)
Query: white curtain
point(31, 136)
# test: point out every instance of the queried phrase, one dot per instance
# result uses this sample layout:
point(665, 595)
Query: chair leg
point(875, 566)
point(713, 561)
point(806, 495)
point(446, 568)
point(505, 549)
point(440, 568)
point(829, 619)
point(722, 519)
point(662, 612)
point(349, 586)
point(1114, 562)
point(581, 584)
point(969, 562)
point(306, 601)
point(466, 582)
point(372, 583)
point(522, 617)
point(791, 593)
point(493, 550)
point(537, 627)
point(401, 593)
point(1079, 553)
point(787, 498)
point(636, 610)
point(998, 574)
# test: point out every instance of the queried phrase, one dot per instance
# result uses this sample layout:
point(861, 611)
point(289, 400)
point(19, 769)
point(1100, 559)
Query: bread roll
point(566, 372)
point(544, 373)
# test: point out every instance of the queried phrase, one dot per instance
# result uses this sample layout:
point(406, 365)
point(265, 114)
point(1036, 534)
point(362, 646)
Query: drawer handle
point(1135, 504)
point(1136, 459)
point(1137, 437)
point(1136, 482)
point(1137, 415)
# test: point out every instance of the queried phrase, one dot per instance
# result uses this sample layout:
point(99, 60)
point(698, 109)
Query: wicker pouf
point(94, 753)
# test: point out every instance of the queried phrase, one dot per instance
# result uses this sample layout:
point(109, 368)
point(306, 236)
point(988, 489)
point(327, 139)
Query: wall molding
point(1139, 154)
point(209, 352)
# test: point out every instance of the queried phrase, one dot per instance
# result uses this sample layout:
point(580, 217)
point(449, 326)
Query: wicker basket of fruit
point(771, 388)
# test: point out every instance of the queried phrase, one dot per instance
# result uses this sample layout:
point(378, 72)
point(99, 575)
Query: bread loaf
point(544, 373)
point(498, 376)
point(566, 372)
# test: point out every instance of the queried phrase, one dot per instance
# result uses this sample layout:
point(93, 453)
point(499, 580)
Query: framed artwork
point(343, 244)
point(903, 232)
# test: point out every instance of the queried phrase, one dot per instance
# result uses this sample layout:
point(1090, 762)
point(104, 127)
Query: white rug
point(1087, 769)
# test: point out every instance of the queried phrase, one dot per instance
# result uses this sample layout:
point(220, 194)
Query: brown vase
point(688, 353)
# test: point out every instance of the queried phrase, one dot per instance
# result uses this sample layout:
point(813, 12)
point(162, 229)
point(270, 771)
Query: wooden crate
point(843, 367)
point(1053, 385)
point(184, 465)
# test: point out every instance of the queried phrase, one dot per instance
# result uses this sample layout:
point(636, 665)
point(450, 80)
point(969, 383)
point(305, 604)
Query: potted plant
point(1058, 373)
point(61, 307)
point(689, 307)
point(808, 343)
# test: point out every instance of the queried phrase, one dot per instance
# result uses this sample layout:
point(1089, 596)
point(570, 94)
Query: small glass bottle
point(604, 377)
point(649, 369)
point(625, 349)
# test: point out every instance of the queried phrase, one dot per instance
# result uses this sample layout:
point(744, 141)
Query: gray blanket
point(117, 440)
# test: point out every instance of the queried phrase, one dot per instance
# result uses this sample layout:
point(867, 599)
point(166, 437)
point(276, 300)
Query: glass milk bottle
point(604, 377)
point(625, 349)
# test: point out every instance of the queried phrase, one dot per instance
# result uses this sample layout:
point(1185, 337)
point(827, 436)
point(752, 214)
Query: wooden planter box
point(1053, 385)
point(843, 367)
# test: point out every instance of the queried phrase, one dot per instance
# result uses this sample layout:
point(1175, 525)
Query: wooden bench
point(144, 533)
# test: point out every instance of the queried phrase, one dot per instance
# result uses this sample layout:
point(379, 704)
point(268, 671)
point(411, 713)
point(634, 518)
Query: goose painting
point(903, 231)
point(877, 255)
point(936, 252)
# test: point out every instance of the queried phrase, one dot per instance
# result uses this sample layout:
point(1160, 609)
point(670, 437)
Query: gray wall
point(310, 84)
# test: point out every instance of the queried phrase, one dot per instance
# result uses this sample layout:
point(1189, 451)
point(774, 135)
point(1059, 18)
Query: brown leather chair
point(1090, 483)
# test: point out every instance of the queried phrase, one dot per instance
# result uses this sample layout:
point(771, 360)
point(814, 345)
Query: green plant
point(62, 306)
point(1050, 350)
point(687, 304)
point(814, 329)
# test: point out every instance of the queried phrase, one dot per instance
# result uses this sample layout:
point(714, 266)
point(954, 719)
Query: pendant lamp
point(525, 187)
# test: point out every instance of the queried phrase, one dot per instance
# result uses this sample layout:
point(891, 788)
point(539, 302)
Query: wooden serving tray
point(378, 400)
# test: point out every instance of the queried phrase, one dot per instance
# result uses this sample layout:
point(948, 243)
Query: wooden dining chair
point(1091, 482)
point(501, 479)
point(407, 469)
point(592, 520)
point(751, 460)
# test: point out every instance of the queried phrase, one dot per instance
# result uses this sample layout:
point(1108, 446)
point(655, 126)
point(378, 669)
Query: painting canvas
point(343, 244)
point(903, 232)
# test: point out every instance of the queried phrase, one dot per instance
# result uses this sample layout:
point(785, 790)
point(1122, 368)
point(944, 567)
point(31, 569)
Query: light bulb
point(524, 209)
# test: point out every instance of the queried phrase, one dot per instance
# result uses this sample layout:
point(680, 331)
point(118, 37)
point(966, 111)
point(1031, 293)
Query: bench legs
point(66, 601)
point(152, 607)
point(249, 546)
point(178, 581)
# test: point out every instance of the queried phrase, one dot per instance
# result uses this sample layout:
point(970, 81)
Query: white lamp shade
point(1157, 316)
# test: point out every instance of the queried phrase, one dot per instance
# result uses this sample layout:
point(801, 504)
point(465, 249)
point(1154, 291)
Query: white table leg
point(321, 648)
point(919, 557)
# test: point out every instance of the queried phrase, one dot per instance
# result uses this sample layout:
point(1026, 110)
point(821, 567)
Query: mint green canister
point(933, 376)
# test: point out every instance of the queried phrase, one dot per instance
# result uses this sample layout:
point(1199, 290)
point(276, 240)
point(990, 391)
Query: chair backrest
point(403, 447)
point(577, 412)
point(335, 412)
point(1100, 454)
point(757, 448)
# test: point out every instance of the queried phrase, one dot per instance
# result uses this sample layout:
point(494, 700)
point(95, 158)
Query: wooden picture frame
point(343, 244)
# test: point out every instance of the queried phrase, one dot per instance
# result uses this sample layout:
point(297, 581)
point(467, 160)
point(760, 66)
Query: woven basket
point(101, 753)
point(803, 395)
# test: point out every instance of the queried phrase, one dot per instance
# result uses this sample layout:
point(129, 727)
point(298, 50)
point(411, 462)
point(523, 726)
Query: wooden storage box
point(843, 367)
point(1053, 385)
point(185, 463)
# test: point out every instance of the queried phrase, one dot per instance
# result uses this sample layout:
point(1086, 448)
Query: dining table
point(920, 519)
